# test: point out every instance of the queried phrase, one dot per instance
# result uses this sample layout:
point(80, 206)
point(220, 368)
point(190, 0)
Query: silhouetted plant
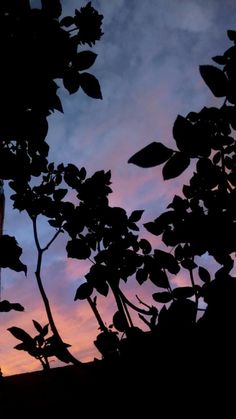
point(200, 221)
point(38, 47)
point(203, 219)
point(40, 346)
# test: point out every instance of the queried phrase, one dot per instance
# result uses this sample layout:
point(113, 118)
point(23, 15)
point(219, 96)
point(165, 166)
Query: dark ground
point(121, 389)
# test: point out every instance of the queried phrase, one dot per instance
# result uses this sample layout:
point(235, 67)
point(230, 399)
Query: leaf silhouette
point(21, 347)
point(37, 326)
point(153, 228)
point(145, 246)
point(152, 155)
point(119, 321)
point(10, 253)
point(67, 21)
point(141, 276)
point(204, 274)
point(188, 264)
point(78, 249)
point(215, 79)
point(162, 297)
point(167, 261)
point(231, 35)
point(84, 291)
point(102, 287)
point(85, 60)
point(71, 80)
point(159, 278)
point(135, 216)
point(90, 85)
point(17, 307)
point(20, 334)
point(219, 59)
point(6, 306)
point(44, 330)
point(176, 165)
point(59, 194)
point(183, 292)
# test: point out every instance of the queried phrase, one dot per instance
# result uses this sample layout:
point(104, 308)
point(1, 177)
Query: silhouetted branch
point(68, 357)
point(93, 306)
point(36, 239)
point(52, 240)
point(134, 307)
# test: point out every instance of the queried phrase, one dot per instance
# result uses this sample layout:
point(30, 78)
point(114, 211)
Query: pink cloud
point(75, 269)
point(181, 280)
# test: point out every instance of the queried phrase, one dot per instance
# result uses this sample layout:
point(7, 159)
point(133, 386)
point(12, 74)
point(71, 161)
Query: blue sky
point(147, 66)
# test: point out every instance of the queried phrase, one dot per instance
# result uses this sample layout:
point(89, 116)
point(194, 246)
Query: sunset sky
point(147, 66)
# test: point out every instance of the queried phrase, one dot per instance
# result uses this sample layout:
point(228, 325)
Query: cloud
point(194, 17)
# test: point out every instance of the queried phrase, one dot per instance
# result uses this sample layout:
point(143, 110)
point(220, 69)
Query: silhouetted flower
point(88, 21)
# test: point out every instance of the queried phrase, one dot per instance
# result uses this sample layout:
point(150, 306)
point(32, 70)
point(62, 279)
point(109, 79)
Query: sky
point(148, 68)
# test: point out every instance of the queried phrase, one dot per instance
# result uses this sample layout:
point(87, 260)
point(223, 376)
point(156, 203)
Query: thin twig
point(134, 307)
point(141, 302)
point(93, 306)
point(52, 239)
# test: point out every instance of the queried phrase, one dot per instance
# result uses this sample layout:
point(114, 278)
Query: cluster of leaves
point(203, 219)
point(40, 346)
point(36, 49)
point(108, 236)
point(96, 230)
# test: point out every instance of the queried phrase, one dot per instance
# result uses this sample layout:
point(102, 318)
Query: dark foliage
point(199, 222)
point(40, 346)
point(38, 48)
point(202, 220)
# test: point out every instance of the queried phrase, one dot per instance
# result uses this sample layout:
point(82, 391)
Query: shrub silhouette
point(201, 221)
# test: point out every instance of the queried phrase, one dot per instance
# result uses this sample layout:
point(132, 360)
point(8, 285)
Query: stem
point(127, 312)
point(195, 292)
point(36, 239)
point(42, 363)
point(133, 306)
point(145, 321)
point(68, 356)
point(52, 240)
point(72, 30)
point(193, 284)
point(226, 185)
point(93, 306)
point(45, 363)
point(142, 302)
point(116, 293)
point(169, 286)
point(2, 211)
